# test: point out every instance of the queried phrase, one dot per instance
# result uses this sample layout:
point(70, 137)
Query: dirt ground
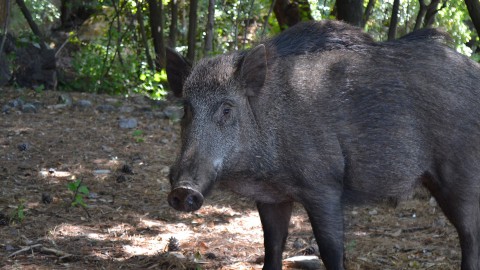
point(127, 223)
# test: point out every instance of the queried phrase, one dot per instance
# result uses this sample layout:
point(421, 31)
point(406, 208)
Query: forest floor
point(127, 223)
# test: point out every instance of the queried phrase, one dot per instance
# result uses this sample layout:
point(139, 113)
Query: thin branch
point(143, 35)
point(246, 23)
point(25, 249)
point(237, 22)
point(266, 18)
point(43, 249)
point(31, 23)
point(59, 253)
point(62, 46)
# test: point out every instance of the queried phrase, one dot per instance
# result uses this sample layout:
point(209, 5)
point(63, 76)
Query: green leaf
point(156, 77)
point(83, 189)
point(137, 133)
point(20, 212)
point(74, 185)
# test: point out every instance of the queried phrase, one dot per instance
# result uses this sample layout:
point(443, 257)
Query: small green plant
point(79, 192)
point(39, 89)
point(137, 135)
point(19, 214)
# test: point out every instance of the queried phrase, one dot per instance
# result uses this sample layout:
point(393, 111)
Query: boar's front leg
point(275, 220)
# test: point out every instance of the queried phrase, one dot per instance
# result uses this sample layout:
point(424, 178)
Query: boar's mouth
point(185, 199)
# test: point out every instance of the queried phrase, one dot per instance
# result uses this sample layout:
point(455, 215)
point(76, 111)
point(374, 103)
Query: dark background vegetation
point(118, 46)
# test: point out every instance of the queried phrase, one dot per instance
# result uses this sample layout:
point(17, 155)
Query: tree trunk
point(209, 28)
point(350, 11)
point(156, 24)
point(287, 13)
point(392, 29)
point(278, 10)
point(431, 13)
point(5, 71)
point(74, 13)
point(368, 12)
point(143, 34)
point(421, 14)
point(28, 16)
point(4, 11)
point(473, 7)
point(172, 34)
point(192, 30)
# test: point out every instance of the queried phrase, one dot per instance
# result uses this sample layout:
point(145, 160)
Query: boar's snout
point(185, 199)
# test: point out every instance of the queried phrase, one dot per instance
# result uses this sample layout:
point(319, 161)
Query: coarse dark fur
point(329, 116)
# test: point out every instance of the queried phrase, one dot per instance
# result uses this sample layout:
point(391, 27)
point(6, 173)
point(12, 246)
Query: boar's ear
point(254, 70)
point(178, 69)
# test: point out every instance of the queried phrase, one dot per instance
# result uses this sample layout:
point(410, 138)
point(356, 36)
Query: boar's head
point(218, 128)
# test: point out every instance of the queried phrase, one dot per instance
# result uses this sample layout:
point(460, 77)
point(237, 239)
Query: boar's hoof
point(185, 199)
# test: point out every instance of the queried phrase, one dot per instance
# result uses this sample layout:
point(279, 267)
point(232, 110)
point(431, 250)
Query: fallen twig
point(43, 249)
point(25, 249)
point(57, 252)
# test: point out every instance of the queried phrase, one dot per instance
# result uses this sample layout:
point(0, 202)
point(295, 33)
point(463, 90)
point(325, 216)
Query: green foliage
point(98, 72)
point(321, 11)
point(19, 214)
point(110, 55)
point(138, 136)
point(151, 82)
point(79, 192)
point(452, 18)
point(114, 62)
point(44, 13)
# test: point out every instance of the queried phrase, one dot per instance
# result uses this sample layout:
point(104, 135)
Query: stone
point(29, 108)
point(128, 123)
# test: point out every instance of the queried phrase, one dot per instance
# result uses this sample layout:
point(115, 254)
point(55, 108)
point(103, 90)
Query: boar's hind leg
point(326, 216)
point(460, 202)
point(275, 219)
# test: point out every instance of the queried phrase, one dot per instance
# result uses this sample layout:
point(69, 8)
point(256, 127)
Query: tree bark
point(288, 13)
point(431, 13)
point(143, 35)
point(209, 29)
point(172, 34)
point(392, 29)
point(74, 13)
point(156, 24)
point(368, 12)
point(350, 11)
point(28, 16)
point(4, 10)
point(192, 30)
point(473, 7)
point(279, 11)
point(421, 14)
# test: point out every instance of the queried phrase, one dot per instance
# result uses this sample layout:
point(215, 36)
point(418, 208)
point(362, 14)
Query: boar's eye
point(224, 113)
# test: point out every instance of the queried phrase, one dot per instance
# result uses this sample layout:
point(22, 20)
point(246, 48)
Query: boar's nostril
point(194, 201)
point(174, 202)
point(185, 199)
